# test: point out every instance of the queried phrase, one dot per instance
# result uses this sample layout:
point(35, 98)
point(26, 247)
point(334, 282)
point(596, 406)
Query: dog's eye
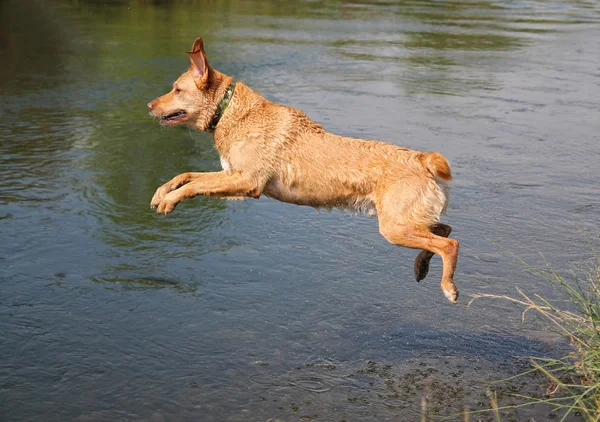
point(177, 90)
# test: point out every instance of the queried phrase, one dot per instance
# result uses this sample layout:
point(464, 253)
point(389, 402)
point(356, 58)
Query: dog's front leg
point(219, 184)
point(171, 185)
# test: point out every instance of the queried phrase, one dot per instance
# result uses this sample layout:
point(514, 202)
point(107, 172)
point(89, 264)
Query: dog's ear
point(199, 65)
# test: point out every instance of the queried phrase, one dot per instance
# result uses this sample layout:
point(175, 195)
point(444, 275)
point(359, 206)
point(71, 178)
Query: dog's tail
point(437, 165)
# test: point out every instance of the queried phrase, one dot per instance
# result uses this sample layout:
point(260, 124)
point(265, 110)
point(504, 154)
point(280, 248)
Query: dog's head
point(193, 99)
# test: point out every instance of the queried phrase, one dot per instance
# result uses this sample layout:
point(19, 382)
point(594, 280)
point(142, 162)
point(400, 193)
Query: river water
point(259, 310)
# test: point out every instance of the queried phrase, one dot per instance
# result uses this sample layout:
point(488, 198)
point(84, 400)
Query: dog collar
point(221, 108)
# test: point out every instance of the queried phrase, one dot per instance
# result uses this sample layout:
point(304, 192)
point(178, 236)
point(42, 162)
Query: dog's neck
point(218, 84)
point(221, 107)
point(241, 115)
point(243, 101)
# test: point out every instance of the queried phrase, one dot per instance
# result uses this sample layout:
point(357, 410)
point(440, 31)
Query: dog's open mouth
point(173, 117)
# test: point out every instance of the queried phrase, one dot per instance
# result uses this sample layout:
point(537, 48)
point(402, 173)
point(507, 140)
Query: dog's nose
point(150, 105)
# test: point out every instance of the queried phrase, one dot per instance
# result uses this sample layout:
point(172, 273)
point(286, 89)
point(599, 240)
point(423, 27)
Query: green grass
point(573, 381)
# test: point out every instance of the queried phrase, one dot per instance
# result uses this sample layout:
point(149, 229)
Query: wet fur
point(277, 151)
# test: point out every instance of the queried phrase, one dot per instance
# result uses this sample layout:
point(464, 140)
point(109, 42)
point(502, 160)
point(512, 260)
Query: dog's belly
point(323, 198)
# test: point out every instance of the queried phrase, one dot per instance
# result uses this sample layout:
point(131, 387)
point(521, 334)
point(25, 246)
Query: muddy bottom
point(426, 388)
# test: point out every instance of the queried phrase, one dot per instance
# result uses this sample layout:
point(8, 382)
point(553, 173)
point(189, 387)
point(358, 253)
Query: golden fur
point(277, 151)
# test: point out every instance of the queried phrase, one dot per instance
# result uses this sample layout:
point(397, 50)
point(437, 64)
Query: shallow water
point(260, 310)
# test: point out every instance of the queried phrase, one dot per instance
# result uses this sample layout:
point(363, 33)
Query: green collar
point(221, 108)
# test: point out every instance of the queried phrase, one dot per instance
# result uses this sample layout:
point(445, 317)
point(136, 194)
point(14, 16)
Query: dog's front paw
point(168, 203)
point(170, 186)
point(159, 195)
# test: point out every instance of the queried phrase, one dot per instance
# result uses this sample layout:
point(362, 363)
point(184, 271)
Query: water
point(258, 310)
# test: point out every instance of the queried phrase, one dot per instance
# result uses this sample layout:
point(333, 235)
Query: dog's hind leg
point(420, 237)
point(421, 266)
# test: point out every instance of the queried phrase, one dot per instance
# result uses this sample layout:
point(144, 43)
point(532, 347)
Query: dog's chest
point(225, 164)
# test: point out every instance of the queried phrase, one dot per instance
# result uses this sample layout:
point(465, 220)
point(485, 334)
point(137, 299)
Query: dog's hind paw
point(450, 291)
point(421, 266)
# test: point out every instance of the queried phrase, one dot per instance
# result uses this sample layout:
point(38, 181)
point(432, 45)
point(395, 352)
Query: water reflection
point(21, 28)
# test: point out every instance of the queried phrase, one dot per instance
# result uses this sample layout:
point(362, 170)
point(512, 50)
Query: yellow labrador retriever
point(278, 151)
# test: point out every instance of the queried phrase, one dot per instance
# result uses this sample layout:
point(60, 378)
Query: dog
point(277, 151)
